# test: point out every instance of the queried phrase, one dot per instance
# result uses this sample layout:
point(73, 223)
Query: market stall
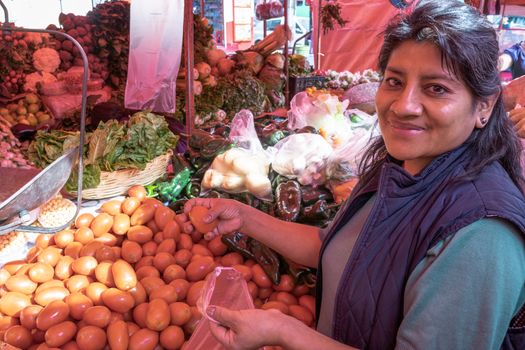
point(124, 273)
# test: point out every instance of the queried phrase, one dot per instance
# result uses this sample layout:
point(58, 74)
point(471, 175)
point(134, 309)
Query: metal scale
point(24, 190)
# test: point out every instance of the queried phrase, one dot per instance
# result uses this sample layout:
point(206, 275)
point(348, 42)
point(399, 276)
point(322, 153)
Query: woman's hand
point(246, 329)
point(226, 211)
point(517, 116)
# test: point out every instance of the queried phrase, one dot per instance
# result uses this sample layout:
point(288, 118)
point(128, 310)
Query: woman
point(429, 251)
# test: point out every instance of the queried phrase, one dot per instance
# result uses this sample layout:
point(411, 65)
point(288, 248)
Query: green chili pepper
point(238, 242)
point(169, 191)
point(316, 211)
point(215, 147)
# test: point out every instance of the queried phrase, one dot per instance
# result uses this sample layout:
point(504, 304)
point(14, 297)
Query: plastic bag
point(342, 165)
point(224, 287)
point(302, 156)
point(244, 168)
point(271, 9)
point(154, 54)
point(324, 112)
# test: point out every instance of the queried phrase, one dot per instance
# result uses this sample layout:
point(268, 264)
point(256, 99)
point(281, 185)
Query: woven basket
point(116, 183)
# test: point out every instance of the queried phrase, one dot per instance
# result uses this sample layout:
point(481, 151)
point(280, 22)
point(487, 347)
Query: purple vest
point(409, 216)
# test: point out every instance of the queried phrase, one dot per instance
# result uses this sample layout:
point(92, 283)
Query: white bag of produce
point(244, 168)
point(342, 165)
point(324, 112)
point(154, 54)
point(302, 156)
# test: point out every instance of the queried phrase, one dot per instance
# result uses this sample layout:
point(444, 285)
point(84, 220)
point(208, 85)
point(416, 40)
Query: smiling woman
point(429, 250)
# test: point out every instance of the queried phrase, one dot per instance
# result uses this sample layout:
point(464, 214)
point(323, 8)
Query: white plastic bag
point(324, 112)
point(343, 163)
point(154, 54)
point(302, 156)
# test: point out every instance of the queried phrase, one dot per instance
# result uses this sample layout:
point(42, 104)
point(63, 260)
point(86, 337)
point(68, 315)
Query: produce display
point(10, 148)
point(111, 146)
point(252, 79)
point(27, 110)
point(345, 80)
point(128, 278)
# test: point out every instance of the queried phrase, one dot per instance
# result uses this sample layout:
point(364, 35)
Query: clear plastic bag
point(224, 287)
point(342, 165)
point(302, 156)
point(154, 54)
point(269, 9)
point(244, 168)
point(322, 111)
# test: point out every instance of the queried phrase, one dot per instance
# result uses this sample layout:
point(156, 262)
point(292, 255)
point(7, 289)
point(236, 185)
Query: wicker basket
point(118, 182)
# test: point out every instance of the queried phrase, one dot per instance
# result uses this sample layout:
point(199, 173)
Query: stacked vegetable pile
point(128, 278)
point(110, 32)
point(112, 146)
point(345, 80)
point(80, 28)
point(16, 51)
point(252, 79)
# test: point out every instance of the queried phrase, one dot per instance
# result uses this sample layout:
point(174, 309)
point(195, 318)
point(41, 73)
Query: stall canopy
point(356, 46)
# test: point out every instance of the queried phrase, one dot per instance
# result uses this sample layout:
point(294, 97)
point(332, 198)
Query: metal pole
point(82, 123)
point(318, 43)
point(188, 40)
point(6, 13)
point(286, 85)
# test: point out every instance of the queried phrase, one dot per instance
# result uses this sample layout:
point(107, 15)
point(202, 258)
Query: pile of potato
point(127, 278)
point(28, 110)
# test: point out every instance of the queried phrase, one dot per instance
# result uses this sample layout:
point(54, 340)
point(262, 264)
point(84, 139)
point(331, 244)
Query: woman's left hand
point(246, 329)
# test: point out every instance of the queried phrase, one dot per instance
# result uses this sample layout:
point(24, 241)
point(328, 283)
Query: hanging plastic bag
point(154, 55)
point(244, 168)
point(227, 288)
point(269, 9)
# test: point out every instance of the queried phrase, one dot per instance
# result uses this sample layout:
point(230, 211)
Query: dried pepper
point(311, 194)
point(288, 200)
point(316, 212)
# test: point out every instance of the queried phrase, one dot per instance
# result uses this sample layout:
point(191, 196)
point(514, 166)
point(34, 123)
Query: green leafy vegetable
point(112, 146)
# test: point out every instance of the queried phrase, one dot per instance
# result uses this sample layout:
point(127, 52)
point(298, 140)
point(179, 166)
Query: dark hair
point(469, 49)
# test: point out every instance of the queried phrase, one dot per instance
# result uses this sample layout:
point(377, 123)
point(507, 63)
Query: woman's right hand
point(226, 211)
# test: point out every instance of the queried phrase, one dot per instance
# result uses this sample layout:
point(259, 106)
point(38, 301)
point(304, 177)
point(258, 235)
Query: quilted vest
point(410, 215)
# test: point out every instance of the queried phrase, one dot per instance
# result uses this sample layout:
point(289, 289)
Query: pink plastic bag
point(224, 287)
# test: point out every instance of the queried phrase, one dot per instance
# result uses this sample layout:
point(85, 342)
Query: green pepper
point(193, 188)
point(311, 194)
point(169, 191)
point(288, 200)
point(300, 274)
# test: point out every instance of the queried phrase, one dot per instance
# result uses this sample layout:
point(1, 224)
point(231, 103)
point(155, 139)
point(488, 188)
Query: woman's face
point(424, 110)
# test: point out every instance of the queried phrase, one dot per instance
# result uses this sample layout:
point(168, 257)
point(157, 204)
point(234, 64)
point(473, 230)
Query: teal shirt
point(462, 295)
point(466, 290)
